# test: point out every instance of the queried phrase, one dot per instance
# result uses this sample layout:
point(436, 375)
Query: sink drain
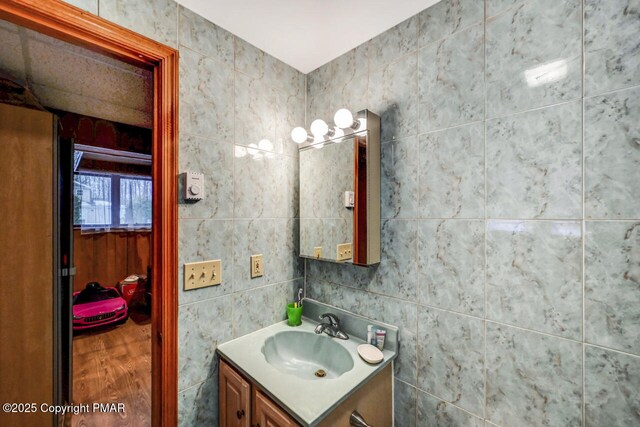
point(320, 373)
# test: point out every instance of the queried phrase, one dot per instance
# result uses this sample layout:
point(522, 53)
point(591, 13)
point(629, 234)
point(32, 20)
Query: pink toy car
point(97, 306)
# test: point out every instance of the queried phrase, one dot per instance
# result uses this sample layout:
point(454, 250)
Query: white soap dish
point(370, 354)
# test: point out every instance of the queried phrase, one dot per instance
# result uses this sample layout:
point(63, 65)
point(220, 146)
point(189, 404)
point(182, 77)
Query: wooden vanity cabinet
point(268, 414)
point(234, 401)
point(242, 404)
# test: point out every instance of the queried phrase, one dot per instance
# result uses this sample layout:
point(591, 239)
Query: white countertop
point(307, 400)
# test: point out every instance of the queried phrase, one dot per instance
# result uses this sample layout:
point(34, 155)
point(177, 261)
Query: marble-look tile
point(288, 264)
point(90, 6)
point(533, 56)
point(314, 233)
point(251, 237)
point(532, 379)
point(348, 81)
point(201, 240)
point(201, 327)
point(404, 404)
point(283, 294)
point(447, 17)
point(261, 184)
point(252, 310)
point(393, 96)
point(435, 412)
point(205, 37)
point(255, 118)
point(393, 43)
point(451, 265)
point(206, 97)
point(495, 7)
point(612, 388)
point(402, 314)
point(276, 240)
point(198, 154)
point(451, 357)
point(397, 273)
point(156, 19)
point(198, 405)
point(451, 173)
point(612, 291)
point(451, 80)
point(534, 275)
point(316, 183)
point(534, 164)
point(319, 290)
point(612, 155)
point(318, 96)
point(612, 56)
point(399, 179)
point(290, 113)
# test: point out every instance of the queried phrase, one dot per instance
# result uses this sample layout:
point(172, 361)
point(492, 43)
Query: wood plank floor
point(114, 365)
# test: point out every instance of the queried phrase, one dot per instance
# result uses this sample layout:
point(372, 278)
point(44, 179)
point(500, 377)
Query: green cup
point(294, 315)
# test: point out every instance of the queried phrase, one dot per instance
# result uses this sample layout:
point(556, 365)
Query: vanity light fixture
point(343, 119)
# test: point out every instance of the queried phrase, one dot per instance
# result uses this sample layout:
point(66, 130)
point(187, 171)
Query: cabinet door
point(268, 414)
point(234, 404)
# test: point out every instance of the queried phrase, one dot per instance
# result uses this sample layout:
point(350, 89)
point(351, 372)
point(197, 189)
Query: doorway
point(72, 25)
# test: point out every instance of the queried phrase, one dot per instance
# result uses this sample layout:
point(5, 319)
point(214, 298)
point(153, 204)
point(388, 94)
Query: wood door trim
point(68, 23)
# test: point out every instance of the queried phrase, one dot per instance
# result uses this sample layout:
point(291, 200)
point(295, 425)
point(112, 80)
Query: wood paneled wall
point(26, 266)
point(109, 257)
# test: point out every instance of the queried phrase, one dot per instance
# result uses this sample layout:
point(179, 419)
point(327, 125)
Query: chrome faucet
point(332, 328)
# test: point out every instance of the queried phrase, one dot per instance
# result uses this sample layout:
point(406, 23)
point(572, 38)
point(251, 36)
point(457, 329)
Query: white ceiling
point(306, 33)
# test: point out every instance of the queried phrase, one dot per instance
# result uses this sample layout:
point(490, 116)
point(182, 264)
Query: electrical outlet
point(317, 252)
point(344, 252)
point(202, 274)
point(257, 266)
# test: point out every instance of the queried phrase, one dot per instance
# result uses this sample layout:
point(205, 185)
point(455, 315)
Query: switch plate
point(344, 252)
point(202, 274)
point(257, 266)
point(317, 252)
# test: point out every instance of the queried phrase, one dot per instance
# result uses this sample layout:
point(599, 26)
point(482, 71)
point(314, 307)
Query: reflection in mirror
point(340, 195)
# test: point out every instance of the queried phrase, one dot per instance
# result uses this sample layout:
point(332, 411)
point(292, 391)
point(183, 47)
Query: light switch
point(257, 266)
point(344, 252)
point(202, 274)
point(317, 252)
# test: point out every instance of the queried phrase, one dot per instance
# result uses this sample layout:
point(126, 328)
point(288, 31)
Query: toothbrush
point(299, 302)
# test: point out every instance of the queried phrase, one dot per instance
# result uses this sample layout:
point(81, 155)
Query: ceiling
point(70, 78)
point(306, 33)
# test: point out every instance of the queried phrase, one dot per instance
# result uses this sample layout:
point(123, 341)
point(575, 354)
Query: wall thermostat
point(193, 186)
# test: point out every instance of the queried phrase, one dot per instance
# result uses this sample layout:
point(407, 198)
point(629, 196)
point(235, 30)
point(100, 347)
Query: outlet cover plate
point(344, 252)
point(202, 274)
point(257, 266)
point(317, 252)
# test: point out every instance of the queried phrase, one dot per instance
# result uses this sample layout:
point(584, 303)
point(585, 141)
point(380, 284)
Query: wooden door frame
point(73, 25)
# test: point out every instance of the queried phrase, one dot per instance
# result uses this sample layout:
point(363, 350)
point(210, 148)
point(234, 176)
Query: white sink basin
point(304, 354)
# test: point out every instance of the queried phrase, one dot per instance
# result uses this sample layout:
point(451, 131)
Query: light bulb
point(319, 128)
point(299, 135)
point(338, 134)
point(265, 144)
point(343, 118)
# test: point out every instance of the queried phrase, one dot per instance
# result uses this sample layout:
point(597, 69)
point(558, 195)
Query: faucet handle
point(333, 320)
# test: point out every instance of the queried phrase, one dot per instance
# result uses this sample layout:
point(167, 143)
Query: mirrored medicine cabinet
point(340, 194)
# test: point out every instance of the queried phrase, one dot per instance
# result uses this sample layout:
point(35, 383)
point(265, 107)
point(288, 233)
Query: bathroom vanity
point(283, 376)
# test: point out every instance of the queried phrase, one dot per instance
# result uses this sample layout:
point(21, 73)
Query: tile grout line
point(485, 222)
point(584, 214)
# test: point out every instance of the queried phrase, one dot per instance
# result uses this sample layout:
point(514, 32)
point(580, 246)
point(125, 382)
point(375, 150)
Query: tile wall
point(232, 96)
point(511, 209)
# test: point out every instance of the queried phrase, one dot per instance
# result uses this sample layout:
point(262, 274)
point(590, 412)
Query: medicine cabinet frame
point(366, 188)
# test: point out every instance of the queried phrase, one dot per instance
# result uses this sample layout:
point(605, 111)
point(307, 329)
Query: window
point(111, 201)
